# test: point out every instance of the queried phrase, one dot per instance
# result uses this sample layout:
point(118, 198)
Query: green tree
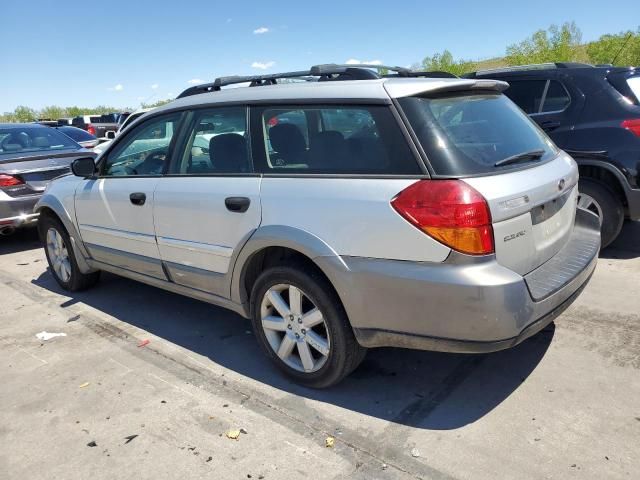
point(444, 62)
point(24, 114)
point(557, 44)
point(623, 48)
point(52, 112)
point(158, 103)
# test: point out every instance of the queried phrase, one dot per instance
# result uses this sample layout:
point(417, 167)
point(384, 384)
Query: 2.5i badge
point(513, 236)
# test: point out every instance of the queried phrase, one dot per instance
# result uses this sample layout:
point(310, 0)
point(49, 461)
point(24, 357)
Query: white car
point(128, 121)
point(351, 212)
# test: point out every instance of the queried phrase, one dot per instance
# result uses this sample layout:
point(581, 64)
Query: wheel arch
point(50, 205)
point(608, 174)
point(274, 245)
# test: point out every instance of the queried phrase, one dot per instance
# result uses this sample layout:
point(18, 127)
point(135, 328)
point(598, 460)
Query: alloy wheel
point(58, 255)
point(295, 328)
point(587, 202)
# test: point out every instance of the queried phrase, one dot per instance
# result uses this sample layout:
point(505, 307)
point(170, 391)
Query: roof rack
point(534, 66)
point(320, 73)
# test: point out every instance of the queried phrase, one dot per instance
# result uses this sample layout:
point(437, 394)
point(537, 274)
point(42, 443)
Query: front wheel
point(61, 259)
point(302, 326)
point(598, 198)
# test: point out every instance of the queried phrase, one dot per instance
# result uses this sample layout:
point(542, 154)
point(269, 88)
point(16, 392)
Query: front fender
point(53, 203)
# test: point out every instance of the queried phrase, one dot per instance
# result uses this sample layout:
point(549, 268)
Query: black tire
point(610, 205)
point(77, 280)
point(345, 353)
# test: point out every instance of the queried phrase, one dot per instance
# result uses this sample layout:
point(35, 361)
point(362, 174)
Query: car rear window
point(77, 134)
point(29, 139)
point(634, 85)
point(467, 134)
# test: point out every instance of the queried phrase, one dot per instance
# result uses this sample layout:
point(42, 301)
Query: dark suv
point(593, 113)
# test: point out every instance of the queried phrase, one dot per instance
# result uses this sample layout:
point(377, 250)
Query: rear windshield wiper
point(520, 157)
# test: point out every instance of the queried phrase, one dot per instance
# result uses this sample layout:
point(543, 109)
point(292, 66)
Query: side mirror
point(83, 167)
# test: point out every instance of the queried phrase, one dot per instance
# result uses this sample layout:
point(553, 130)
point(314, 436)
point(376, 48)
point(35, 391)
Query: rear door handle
point(549, 125)
point(138, 198)
point(237, 204)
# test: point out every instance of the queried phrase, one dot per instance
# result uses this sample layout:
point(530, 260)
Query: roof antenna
point(622, 48)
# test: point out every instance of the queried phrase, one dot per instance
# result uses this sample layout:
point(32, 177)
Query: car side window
point(527, 94)
point(557, 98)
point(144, 150)
point(333, 140)
point(217, 142)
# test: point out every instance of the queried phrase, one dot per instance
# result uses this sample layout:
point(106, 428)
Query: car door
point(210, 203)
point(115, 210)
point(547, 101)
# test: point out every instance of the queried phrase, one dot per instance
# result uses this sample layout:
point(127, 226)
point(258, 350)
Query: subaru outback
point(339, 210)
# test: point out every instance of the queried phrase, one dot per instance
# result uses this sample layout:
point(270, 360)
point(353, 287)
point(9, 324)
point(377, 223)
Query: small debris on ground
point(144, 343)
point(129, 438)
point(209, 459)
point(44, 336)
point(92, 444)
point(163, 401)
point(233, 434)
point(415, 452)
point(84, 385)
point(74, 318)
point(329, 442)
point(385, 466)
point(244, 431)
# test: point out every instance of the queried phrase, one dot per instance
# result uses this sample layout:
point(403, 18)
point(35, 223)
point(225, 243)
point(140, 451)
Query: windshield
point(467, 134)
point(29, 139)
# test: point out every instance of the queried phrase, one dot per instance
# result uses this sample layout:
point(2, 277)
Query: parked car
point(594, 114)
point(31, 155)
point(84, 138)
point(64, 121)
point(128, 120)
point(99, 126)
point(338, 215)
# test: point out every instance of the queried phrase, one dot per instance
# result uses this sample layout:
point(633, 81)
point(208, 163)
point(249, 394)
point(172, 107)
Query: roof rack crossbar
point(337, 68)
point(270, 79)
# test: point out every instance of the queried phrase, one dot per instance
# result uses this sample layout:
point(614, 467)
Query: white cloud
point(116, 88)
point(261, 30)
point(262, 65)
point(354, 61)
point(195, 81)
point(154, 86)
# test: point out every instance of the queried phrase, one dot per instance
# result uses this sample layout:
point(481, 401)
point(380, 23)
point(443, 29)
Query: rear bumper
point(18, 212)
point(466, 304)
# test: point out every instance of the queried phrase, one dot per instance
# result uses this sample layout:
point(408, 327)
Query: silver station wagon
point(339, 209)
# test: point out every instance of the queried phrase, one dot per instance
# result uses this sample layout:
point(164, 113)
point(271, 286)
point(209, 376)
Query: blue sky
point(120, 53)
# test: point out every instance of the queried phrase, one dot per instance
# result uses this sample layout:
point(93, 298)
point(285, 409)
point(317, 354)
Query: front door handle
point(138, 198)
point(237, 204)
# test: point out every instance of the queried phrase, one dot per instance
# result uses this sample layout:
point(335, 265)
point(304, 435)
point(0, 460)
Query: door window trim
point(544, 99)
point(170, 150)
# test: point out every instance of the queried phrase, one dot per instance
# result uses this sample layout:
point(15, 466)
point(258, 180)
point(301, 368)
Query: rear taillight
point(91, 129)
point(632, 125)
point(9, 181)
point(450, 211)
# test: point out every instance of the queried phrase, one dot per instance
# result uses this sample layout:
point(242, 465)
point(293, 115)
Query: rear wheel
point(57, 247)
point(302, 326)
point(598, 198)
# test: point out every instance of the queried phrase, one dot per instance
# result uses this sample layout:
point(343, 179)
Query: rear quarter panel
point(353, 216)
